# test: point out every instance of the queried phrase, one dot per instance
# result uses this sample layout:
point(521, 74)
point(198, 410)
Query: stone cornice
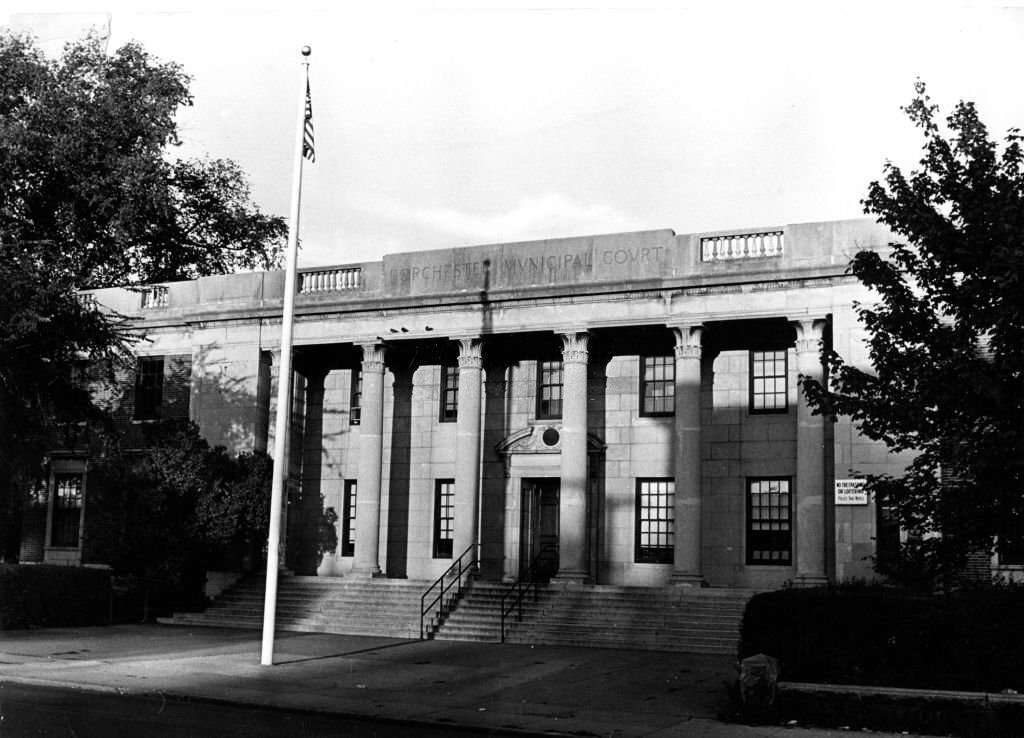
point(268, 311)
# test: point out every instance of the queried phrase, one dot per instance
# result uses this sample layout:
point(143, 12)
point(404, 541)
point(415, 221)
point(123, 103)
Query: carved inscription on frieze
point(574, 261)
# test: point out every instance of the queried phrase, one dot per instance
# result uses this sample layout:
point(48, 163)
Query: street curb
point(474, 729)
point(968, 714)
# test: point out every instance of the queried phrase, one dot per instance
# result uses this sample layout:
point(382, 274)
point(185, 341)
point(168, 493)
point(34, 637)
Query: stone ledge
point(971, 714)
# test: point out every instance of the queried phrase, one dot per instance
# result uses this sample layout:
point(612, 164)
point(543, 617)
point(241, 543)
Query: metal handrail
point(458, 567)
point(521, 588)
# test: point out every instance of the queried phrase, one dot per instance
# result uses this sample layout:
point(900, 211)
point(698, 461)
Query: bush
point(872, 635)
point(53, 596)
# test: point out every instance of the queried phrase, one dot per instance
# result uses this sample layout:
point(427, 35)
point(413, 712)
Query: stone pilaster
point(272, 408)
point(371, 449)
point(686, 457)
point(572, 522)
point(810, 534)
point(275, 378)
point(467, 445)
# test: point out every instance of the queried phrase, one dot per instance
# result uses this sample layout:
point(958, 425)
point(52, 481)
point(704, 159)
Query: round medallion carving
point(550, 436)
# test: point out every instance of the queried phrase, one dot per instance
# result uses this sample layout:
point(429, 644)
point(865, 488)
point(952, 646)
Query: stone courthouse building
point(622, 409)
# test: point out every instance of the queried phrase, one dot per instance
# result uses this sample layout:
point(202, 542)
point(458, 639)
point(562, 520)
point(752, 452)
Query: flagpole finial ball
point(306, 51)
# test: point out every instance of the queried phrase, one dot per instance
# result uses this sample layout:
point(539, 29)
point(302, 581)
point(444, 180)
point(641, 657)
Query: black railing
point(527, 582)
point(455, 577)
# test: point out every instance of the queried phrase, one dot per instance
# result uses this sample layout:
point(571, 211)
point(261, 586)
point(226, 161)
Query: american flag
point(307, 130)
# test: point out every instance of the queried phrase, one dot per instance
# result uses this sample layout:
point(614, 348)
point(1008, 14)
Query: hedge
point(39, 596)
point(969, 640)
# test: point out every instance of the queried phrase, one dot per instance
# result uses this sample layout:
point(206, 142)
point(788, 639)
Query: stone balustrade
point(331, 280)
point(741, 246)
point(154, 297)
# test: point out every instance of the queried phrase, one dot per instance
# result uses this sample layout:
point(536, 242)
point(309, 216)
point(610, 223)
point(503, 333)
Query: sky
point(437, 128)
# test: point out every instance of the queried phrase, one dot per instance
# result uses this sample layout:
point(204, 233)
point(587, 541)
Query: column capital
point(574, 347)
point(688, 340)
point(808, 334)
point(373, 356)
point(470, 352)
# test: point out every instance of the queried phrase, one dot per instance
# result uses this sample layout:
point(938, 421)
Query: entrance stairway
point(377, 607)
point(704, 620)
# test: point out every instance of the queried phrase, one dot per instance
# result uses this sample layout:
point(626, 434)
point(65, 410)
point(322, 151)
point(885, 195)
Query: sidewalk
point(504, 688)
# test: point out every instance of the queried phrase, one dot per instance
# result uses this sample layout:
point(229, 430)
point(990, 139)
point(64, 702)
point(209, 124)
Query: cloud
point(549, 215)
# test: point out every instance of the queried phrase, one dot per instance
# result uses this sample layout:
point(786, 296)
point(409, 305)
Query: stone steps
point(665, 619)
point(378, 607)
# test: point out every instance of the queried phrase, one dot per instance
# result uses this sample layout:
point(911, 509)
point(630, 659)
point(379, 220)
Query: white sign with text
point(851, 492)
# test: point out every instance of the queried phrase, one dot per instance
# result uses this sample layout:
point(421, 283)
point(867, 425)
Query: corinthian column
point(467, 445)
point(686, 457)
point(371, 449)
point(810, 463)
point(572, 507)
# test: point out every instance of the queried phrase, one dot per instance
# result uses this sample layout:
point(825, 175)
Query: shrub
point(53, 596)
point(872, 635)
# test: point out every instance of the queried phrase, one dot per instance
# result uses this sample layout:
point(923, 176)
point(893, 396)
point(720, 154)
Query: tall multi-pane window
point(655, 520)
point(149, 387)
point(348, 520)
point(768, 382)
point(67, 510)
point(657, 385)
point(444, 518)
point(449, 394)
point(769, 529)
point(549, 390)
point(355, 397)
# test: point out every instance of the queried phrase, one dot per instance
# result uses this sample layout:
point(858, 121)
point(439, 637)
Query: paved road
point(373, 684)
point(48, 712)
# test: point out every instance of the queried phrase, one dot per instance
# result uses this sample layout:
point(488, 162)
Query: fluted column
point(572, 512)
point(686, 457)
point(371, 448)
point(467, 445)
point(810, 463)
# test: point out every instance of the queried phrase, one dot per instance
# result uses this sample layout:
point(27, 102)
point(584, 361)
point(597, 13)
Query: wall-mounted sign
point(851, 492)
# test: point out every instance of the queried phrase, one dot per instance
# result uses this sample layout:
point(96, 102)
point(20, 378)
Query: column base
point(374, 573)
point(805, 581)
point(686, 579)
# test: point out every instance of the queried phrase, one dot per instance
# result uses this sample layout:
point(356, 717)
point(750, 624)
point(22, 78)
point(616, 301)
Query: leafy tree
point(85, 169)
point(91, 197)
point(162, 515)
point(45, 330)
point(233, 514)
point(946, 340)
point(141, 511)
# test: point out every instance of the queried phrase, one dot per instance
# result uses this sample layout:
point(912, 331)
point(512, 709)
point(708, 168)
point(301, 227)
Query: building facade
point(617, 409)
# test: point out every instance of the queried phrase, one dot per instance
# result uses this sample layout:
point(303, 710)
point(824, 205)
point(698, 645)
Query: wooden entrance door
point(539, 528)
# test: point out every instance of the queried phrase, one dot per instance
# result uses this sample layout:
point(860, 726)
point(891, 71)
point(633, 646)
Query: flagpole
point(284, 384)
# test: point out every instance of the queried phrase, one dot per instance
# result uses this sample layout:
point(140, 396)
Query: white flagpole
point(284, 385)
